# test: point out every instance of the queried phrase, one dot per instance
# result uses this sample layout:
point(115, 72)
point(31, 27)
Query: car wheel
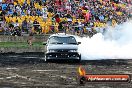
point(79, 60)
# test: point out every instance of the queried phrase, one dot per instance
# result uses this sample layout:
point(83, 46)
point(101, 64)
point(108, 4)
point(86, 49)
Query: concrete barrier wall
point(21, 50)
point(38, 38)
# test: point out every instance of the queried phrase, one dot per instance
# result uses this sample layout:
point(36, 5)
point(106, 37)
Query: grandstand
point(49, 16)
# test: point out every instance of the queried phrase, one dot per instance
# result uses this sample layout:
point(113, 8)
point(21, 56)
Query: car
point(62, 47)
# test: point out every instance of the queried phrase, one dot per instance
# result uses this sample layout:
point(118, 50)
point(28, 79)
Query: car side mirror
point(79, 43)
point(44, 43)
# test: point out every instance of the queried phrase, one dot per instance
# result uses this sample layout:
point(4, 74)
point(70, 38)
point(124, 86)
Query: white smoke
point(116, 43)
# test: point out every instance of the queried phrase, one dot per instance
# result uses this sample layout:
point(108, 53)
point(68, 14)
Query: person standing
point(25, 26)
point(30, 38)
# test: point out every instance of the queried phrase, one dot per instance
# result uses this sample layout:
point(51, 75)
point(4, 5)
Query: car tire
point(46, 59)
point(79, 59)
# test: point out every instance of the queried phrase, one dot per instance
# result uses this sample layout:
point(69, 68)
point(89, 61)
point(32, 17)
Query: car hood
point(62, 46)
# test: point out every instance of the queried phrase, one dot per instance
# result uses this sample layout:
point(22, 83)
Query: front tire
point(79, 59)
point(46, 59)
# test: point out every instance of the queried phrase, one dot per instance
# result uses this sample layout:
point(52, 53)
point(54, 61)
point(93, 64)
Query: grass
point(20, 44)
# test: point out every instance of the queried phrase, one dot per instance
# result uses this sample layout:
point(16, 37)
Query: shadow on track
point(35, 58)
point(106, 62)
point(19, 59)
point(94, 62)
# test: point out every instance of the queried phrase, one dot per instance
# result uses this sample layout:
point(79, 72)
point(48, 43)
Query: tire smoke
point(116, 43)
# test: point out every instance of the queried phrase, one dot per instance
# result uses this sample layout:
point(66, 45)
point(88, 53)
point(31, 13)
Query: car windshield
point(62, 40)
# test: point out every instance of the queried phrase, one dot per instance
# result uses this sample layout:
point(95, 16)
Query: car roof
point(61, 35)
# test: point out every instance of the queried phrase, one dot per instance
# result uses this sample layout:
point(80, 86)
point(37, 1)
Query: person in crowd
point(36, 26)
point(11, 27)
point(1, 29)
point(17, 30)
point(25, 26)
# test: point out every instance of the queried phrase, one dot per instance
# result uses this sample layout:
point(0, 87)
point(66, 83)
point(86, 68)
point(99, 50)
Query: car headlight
point(72, 50)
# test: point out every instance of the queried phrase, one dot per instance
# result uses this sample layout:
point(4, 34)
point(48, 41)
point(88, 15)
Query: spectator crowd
point(53, 16)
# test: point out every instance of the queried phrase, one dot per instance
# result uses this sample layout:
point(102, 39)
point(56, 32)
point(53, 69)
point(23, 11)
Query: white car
point(62, 47)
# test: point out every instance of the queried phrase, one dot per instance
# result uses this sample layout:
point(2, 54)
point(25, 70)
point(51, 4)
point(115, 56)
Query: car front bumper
point(63, 55)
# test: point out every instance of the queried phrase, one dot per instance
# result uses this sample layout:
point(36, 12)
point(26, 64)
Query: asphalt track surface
point(31, 71)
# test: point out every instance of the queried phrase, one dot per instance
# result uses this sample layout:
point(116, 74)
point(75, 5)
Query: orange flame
point(81, 71)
